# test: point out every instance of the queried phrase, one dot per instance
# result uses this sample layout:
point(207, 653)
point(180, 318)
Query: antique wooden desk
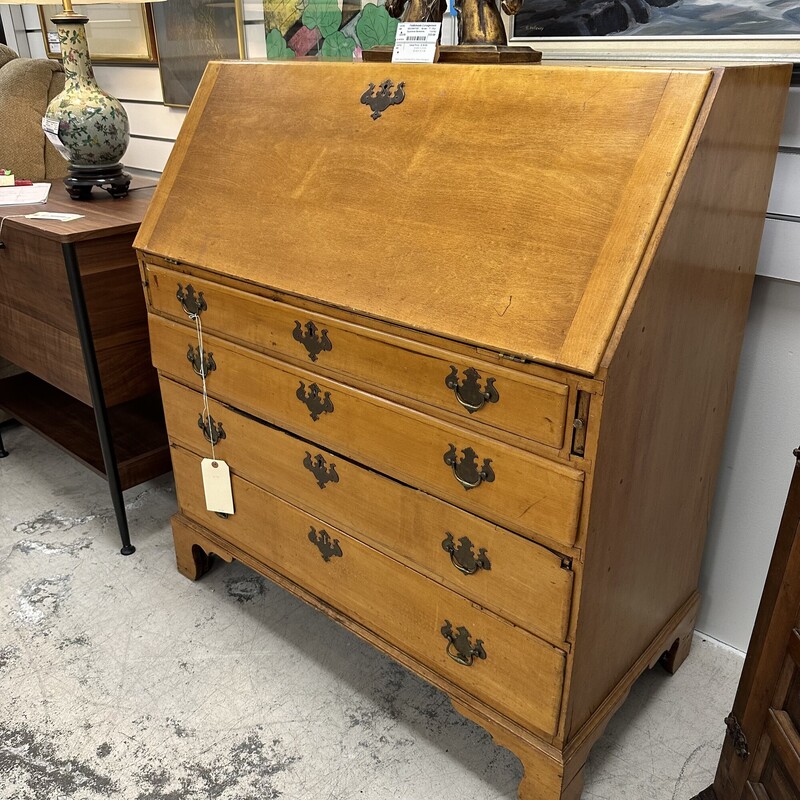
point(469, 340)
point(72, 315)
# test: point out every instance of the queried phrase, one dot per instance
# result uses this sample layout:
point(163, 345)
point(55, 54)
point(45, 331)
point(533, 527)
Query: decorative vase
point(88, 126)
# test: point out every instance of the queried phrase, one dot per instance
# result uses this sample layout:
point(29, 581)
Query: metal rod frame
point(96, 391)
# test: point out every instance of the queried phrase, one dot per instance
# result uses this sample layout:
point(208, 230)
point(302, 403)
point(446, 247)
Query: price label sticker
point(50, 128)
point(217, 485)
point(416, 42)
point(54, 215)
point(53, 43)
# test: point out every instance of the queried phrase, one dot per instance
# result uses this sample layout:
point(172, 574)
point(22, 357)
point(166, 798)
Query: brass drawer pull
point(213, 431)
point(466, 471)
point(469, 392)
point(193, 305)
point(314, 340)
point(459, 645)
point(202, 363)
point(317, 467)
point(464, 560)
point(327, 548)
point(313, 402)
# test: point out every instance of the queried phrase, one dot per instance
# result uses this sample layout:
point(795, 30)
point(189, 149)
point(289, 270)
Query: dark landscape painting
point(746, 18)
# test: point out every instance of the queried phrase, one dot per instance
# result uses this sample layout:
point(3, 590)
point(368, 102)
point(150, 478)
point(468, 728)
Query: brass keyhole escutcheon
point(314, 340)
point(323, 472)
point(317, 402)
point(328, 548)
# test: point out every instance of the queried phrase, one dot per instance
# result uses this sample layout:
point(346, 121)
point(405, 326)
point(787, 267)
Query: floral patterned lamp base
point(88, 126)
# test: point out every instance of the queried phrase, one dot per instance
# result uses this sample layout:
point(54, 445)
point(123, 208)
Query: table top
point(102, 214)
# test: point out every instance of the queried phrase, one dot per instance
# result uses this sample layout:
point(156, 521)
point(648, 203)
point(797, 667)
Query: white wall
point(764, 427)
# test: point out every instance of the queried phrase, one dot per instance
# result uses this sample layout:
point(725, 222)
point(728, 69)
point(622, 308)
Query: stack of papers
point(24, 195)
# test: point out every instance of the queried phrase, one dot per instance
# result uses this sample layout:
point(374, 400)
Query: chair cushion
point(6, 54)
point(24, 93)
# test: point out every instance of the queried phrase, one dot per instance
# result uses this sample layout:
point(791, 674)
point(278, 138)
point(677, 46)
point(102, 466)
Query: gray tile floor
point(121, 679)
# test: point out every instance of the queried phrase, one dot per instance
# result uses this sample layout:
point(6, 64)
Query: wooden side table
point(72, 314)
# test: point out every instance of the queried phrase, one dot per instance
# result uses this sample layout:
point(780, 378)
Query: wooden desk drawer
point(524, 583)
point(398, 604)
point(531, 407)
point(522, 491)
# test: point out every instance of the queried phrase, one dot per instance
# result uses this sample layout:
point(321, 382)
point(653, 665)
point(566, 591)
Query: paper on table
point(24, 195)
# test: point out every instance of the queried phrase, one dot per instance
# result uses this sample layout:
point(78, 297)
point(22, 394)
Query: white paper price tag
point(50, 128)
point(217, 485)
point(416, 42)
point(55, 216)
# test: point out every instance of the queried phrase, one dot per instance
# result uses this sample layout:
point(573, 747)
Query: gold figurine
point(417, 10)
point(479, 21)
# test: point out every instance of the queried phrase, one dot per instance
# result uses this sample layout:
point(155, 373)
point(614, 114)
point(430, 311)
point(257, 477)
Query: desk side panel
point(669, 386)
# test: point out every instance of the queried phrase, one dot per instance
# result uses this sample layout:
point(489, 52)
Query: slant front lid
point(505, 206)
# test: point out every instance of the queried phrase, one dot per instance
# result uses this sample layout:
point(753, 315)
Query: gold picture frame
point(189, 34)
point(118, 33)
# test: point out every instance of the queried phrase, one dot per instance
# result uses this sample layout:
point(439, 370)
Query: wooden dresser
point(469, 342)
point(761, 756)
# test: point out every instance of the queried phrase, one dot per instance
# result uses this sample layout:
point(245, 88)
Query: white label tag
point(54, 215)
point(53, 43)
point(416, 42)
point(50, 128)
point(217, 485)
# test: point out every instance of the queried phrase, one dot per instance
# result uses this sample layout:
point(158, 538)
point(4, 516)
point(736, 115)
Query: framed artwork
point(118, 33)
point(337, 29)
point(189, 34)
point(661, 29)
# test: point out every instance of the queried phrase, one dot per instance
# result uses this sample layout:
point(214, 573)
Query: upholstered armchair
point(26, 87)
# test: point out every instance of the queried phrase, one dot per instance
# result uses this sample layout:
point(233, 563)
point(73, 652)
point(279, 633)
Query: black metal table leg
point(98, 396)
point(3, 451)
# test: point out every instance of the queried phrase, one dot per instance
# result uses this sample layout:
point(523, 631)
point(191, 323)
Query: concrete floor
point(121, 679)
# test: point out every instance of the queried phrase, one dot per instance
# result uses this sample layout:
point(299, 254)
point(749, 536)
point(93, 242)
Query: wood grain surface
point(526, 584)
point(527, 406)
point(601, 223)
point(397, 603)
point(529, 494)
point(102, 214)
point(404, 230)
point(670, 383)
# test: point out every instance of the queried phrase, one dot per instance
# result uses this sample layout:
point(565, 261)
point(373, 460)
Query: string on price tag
point(215, 472)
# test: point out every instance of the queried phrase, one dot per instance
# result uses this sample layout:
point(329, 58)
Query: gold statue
point(417, 10)
point(479, 21)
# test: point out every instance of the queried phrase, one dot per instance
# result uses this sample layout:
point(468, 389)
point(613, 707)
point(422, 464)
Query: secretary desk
point(466, 338)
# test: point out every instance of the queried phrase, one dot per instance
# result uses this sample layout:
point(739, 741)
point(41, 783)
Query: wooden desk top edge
point(102, 215)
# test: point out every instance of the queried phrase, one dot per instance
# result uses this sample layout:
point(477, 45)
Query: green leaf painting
point(324, 15)
point(338, 46)
point(375, 27)
point(277, 49)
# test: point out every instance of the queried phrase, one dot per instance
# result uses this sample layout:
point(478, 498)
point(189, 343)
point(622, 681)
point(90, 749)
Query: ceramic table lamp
point(87, 126)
